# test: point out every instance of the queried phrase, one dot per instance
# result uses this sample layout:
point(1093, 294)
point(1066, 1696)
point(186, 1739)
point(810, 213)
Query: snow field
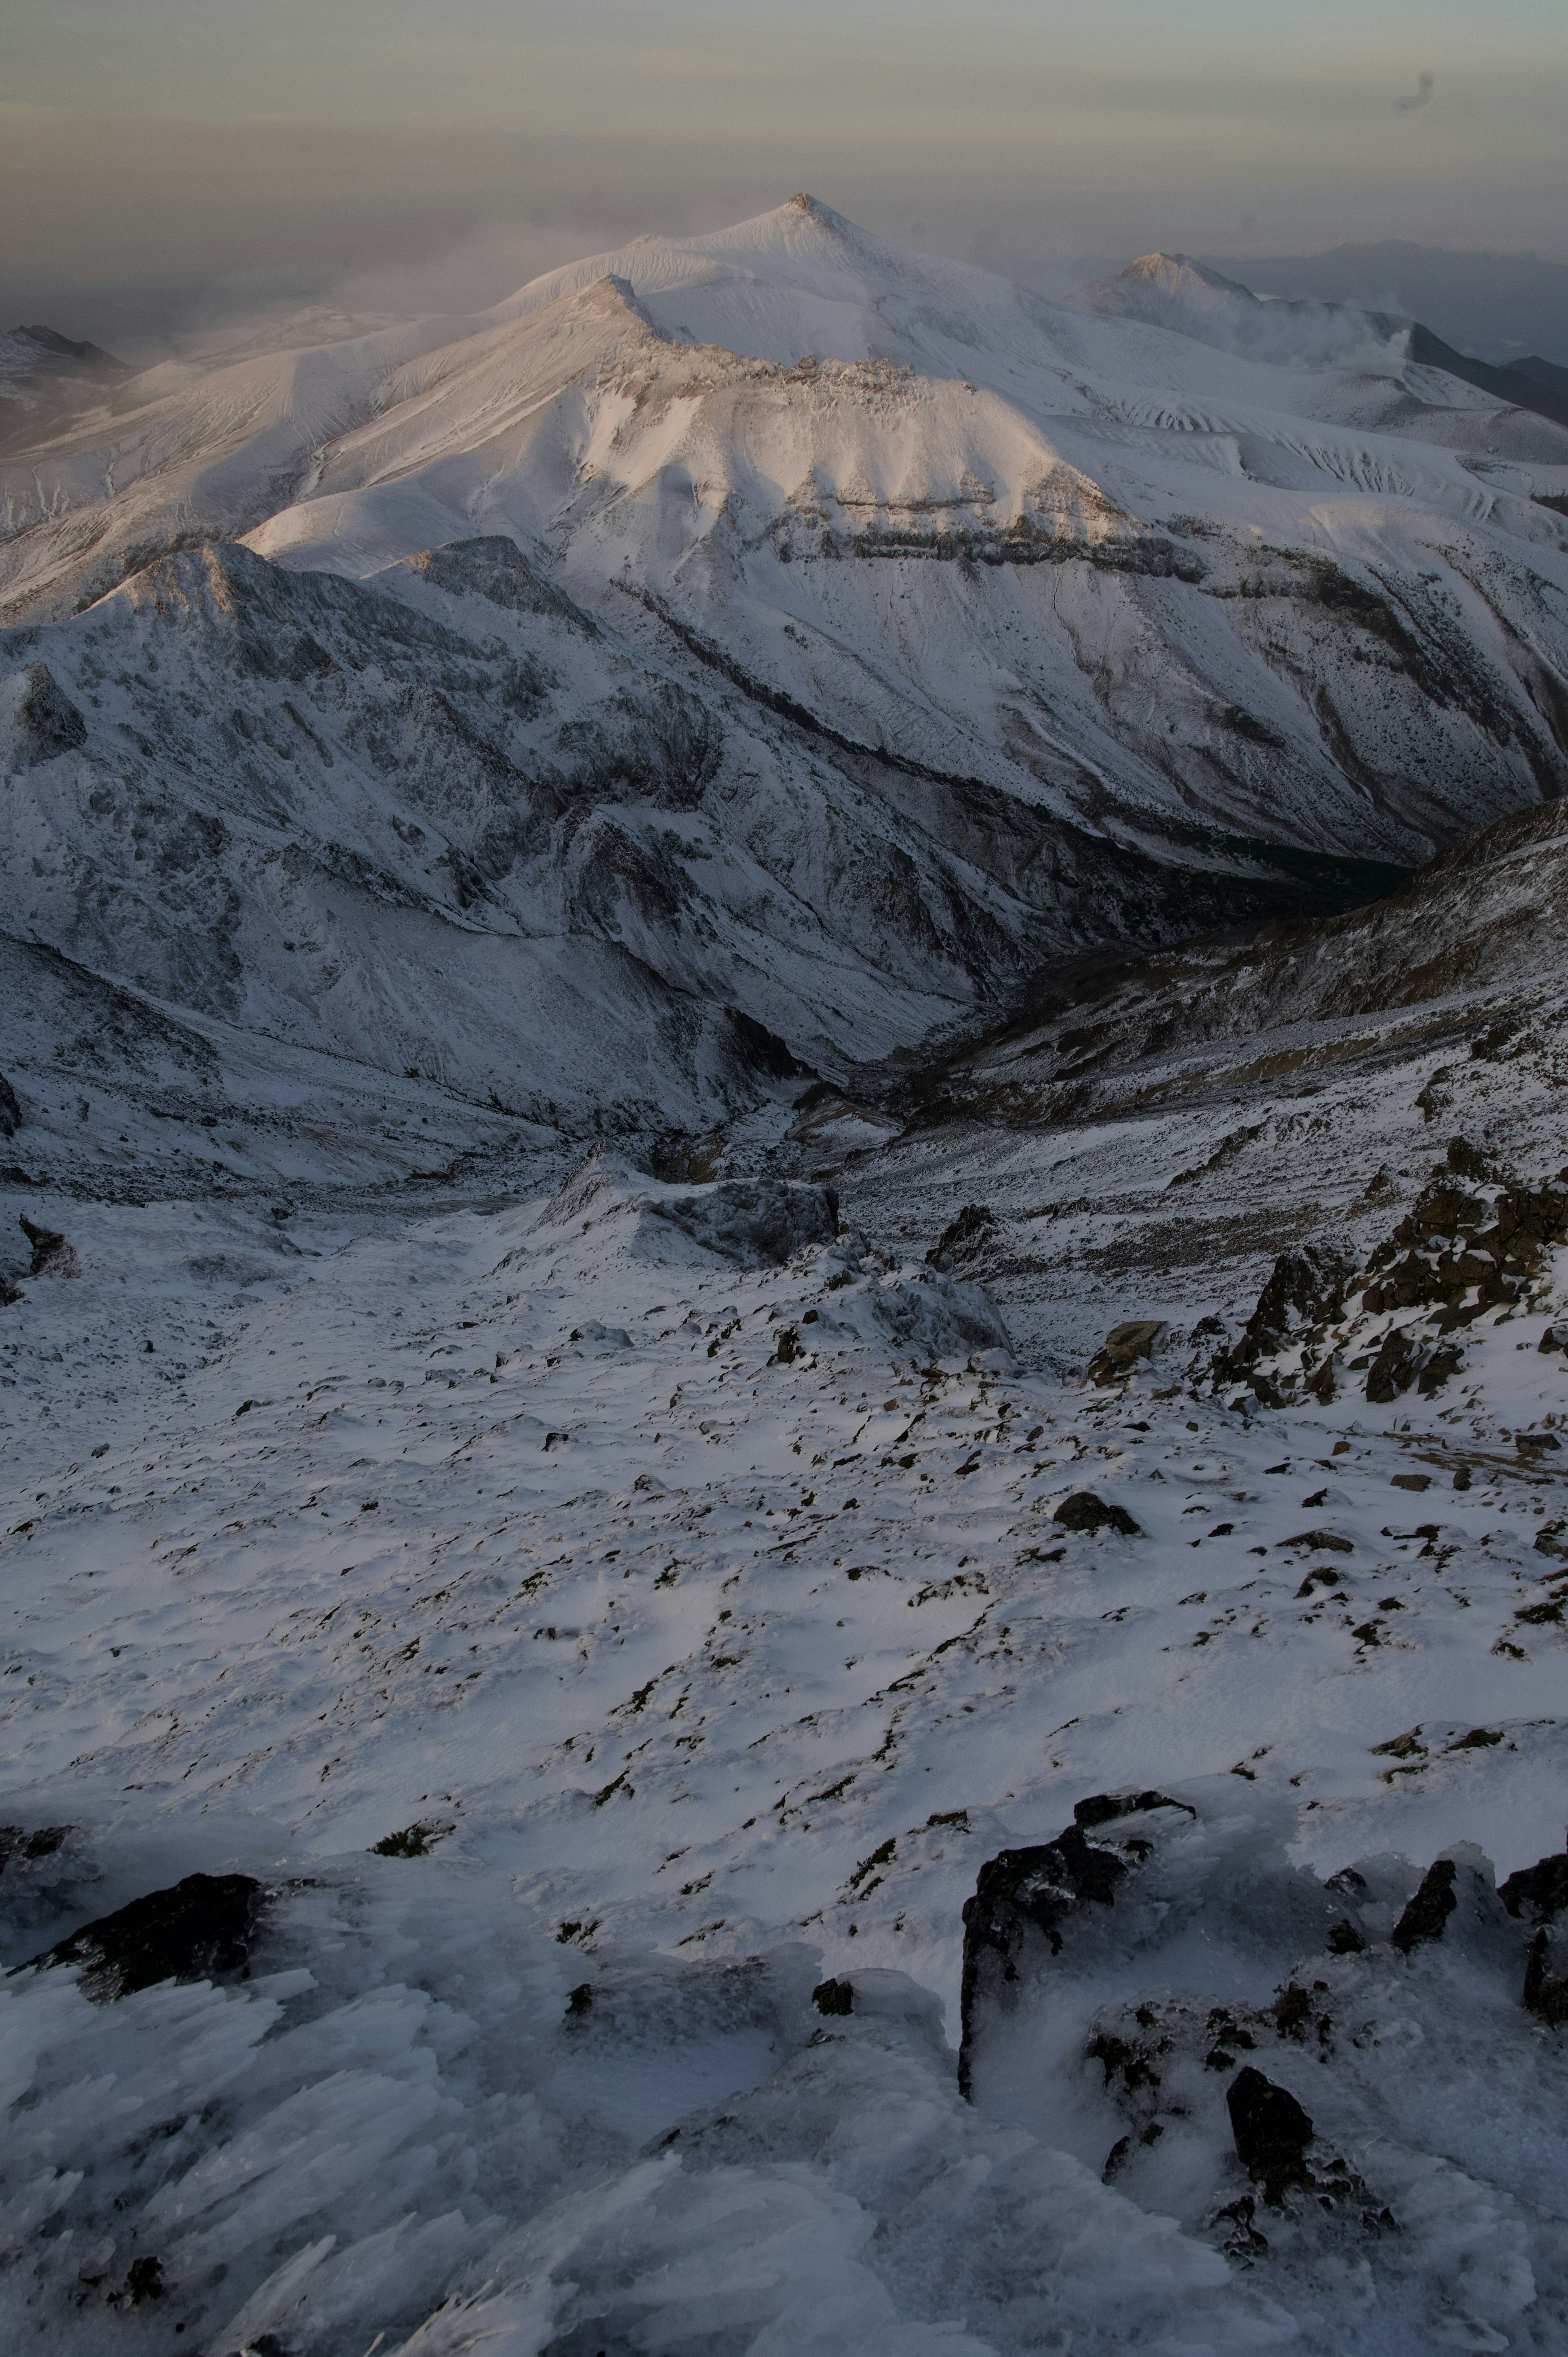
point(527, 1536)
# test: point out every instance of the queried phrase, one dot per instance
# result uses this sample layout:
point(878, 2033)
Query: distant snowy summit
point(756, 650)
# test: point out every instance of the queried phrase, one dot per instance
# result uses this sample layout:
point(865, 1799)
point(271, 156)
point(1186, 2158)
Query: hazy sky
point(289, 144)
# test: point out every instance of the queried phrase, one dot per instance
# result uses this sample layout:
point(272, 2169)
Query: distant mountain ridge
point(1496, 304)
point(757, 650)
point(1172, 290)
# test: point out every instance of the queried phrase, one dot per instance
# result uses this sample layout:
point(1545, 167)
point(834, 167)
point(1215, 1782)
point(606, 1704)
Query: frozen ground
point(695, 1675)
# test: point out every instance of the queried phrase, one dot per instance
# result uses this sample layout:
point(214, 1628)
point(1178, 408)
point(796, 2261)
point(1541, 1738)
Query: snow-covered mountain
point(890, 633)
point(743, 935)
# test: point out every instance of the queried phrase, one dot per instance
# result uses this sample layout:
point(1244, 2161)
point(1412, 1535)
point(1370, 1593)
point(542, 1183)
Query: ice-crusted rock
point(751, 1223)
point(200, 1927)
point(1028, 1902)
point(913, 1310)
point(965, 1237)
point(747, 1222)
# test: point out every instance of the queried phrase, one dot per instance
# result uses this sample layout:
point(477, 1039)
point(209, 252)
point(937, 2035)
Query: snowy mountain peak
point(1175, 275)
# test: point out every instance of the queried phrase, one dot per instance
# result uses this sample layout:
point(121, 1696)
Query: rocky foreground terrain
point(781, 1525)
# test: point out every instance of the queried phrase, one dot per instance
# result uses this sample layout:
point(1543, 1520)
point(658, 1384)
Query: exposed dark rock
point(16, 1844)
point(787, 1348)
point(1540, 1892)
point(1344, 1939)
point(1393, 1371)
point(1436, 1370)
point(37, 719)
point(1427, 1915)
point(1022, 1899)
point(10, 1110)
point(414, 1841)
point(758, 1049)
point(1272, 2132)
point(1488, 1238)
point(144, 2280)
point(52, 1256)
point(1104, 1808)
point(964, 1238)
point(1125, 1344)
point(1545, 1993)
point(200, 1928)
point(1329, 1541)
point(1303, 1293)
point(1084, 1511)
point(757, 1223)
point(833, 1996)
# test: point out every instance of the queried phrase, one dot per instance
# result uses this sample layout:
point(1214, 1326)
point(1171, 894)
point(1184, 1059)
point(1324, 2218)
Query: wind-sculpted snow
point(684, 1677)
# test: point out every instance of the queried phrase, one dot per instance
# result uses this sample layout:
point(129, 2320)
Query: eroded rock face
point(200, 1928)
point(964, 1238)
point(1470, 1244)
point(1304, 1293)
point(755, 1222)
point(10, 1109)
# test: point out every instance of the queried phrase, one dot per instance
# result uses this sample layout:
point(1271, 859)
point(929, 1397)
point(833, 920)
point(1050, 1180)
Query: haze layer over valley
point(781, 1096)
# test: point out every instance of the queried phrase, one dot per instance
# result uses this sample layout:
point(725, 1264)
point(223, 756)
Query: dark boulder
point(1125, 1344)
point(199, 1929)
point(1271, 2130)
point(1426, 1917)
point(10, 1109)
point(52, 1256)
point(1540, 1892)
point(833, 1996)
point(1084, 1511)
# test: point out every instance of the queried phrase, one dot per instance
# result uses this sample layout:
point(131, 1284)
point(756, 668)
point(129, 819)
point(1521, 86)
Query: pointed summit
point(1164, 289)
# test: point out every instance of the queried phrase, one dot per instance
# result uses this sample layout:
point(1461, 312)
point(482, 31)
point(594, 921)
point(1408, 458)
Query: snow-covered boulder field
point(536, 1777)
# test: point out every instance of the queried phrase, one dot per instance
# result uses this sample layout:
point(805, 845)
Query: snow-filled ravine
point(590, 1646)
